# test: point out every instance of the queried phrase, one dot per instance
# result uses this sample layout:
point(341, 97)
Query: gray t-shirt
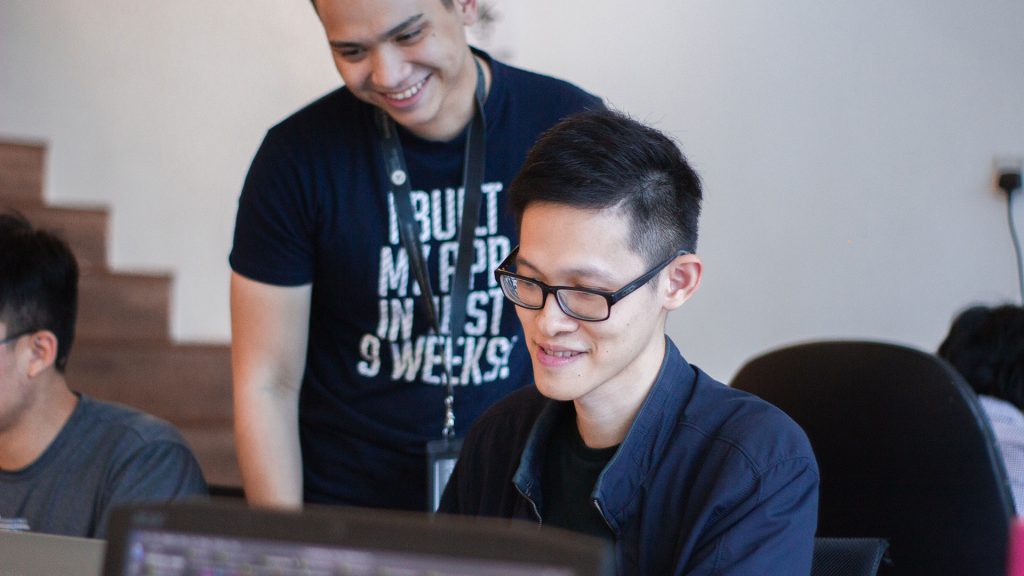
point(106, 455)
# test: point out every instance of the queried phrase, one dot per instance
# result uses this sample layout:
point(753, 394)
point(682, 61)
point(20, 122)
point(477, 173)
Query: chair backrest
point(847, 556)
point(904, 451)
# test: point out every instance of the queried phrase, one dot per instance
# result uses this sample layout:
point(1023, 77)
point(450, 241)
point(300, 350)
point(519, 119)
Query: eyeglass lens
point(582, 305)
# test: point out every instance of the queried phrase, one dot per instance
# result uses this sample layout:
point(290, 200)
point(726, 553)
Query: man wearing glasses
point(66, 460)
point(621, 437)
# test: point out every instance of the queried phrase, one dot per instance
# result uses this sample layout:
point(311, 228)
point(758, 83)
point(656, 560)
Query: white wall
point(846, 147)
point(154, 109)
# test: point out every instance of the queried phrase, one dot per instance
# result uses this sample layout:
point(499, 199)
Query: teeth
point(562, 354)
point(408, 92)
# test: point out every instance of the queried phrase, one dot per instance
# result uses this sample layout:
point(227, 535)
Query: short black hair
point(600, 159)
point(38, 283)
point(986, 345)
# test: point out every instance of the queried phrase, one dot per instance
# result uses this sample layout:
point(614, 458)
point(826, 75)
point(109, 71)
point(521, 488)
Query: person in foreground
point(621, 437)
point(67, 459)
point(986, 345)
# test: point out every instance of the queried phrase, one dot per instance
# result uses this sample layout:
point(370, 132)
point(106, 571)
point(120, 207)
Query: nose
point(389, 68)
point(551, 320)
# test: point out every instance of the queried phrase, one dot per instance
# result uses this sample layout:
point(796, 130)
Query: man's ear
point(683, 275)
point(43, 347)
point(468, 10)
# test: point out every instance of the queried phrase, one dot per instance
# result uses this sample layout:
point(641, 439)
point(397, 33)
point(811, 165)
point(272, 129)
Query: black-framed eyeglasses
point(14, 337)
point(580, 303)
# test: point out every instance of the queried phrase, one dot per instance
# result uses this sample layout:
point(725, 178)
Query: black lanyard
point(472, 180)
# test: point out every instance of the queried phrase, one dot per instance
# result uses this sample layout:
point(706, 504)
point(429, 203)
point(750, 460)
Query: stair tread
point(21, 172)
point(113, 306)
point(84, 229)
point(190, 383)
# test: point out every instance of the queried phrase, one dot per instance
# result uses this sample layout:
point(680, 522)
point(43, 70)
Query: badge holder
point(444, 453)
point(441, 458)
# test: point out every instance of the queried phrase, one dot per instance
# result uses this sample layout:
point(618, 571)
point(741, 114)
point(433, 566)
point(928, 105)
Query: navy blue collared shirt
point(709, 480)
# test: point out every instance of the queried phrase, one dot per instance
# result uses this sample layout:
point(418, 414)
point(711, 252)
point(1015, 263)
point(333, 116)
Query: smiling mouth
point(408, 92)
point(559, 353)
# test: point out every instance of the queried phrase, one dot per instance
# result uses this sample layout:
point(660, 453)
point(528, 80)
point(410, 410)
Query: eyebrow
point(583, 272)
point(394, 31)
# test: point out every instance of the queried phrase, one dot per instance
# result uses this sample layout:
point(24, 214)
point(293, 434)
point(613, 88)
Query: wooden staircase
point(122, 350)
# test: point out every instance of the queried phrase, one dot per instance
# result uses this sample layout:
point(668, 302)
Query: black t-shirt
point(316, 208)
point(570, 473)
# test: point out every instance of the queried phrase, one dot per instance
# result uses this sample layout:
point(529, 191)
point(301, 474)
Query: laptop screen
point(220, 539)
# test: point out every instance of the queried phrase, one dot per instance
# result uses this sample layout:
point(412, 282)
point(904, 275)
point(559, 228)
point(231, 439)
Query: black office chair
point(904, 451)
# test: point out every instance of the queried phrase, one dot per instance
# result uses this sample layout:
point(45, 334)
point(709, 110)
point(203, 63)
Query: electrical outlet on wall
point(1006, 173)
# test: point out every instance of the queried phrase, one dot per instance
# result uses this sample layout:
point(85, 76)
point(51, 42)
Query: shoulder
point(746, 426)
point(336, 115)
point(137, 453)
point(481, 483)
point(124, 425)
point(510, 418)
point(521, 98)
point(540, 85)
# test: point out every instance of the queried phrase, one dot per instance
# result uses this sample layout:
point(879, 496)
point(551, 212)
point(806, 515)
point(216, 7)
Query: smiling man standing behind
point(621, 438)
point(338, 381)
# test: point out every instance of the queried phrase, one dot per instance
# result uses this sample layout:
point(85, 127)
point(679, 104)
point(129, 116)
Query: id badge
point(441, 457)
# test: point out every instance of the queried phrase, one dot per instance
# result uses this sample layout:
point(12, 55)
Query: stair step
point(214, 447)
point(123, 306)
point(189, 385)
point(21, 173)
point(85, 230)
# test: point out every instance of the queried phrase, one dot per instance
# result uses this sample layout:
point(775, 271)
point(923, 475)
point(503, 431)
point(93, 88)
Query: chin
point(559, 391)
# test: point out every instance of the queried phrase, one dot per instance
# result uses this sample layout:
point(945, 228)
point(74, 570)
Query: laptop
point(36, 554)
point(230, 538)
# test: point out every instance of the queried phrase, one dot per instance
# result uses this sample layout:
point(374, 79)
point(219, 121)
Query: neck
point(602, 430)
point(25, 439)
point(605, 415)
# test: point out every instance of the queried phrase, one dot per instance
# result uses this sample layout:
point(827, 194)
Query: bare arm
point(269, 328)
